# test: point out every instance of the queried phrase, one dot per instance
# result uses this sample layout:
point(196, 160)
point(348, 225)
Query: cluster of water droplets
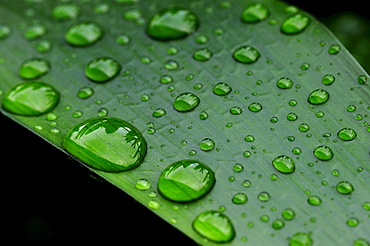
point(111, 144)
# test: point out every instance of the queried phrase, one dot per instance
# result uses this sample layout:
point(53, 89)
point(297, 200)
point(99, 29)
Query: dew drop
point(314, 200)
point(361, 242)
point(284, 83)
point(171, 65)
point(240, 198)
point(186, 181)
point(221, 89)
point(5, 31)
point(102, 69)
point(159, 112)
point(362, 79)
point(207, 144)
point(103, 112)
point(66, 11)
point(214, 226)
point(288, 214)
point(166, 79)
point(203, 54)
point(203, 115)
point(255, 12)
point(328, 79)
point(344, 187)
point(123, 39)
point(172, 23)
point(154, 205)
point(292, 116)
point(34, 68)
point(85, 92)
point(107, 144)
point(284, 164)
point(255, 107)
point(304, 127)
point(143, 184)
point(186, 102)
point(246, 54)
point(352, 222)
point(31, 98)
point(295, 24)
point(238, 168)
point(347, 134)
point(301, 239)
point(83, 34)
point(35, 31)
point(264, 196)
point(278, 224)
point(318, 96)
point(323, 153)
point(334, 49)
point(236, 110)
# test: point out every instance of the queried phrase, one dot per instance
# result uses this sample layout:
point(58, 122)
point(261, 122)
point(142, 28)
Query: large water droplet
point(107, 144)
point(284, 164)
point(172, 23)
point(102, 69)
point(295, 24)
point(255, 12)
point(186, 102)
point(318, 96)
point(186, 181)
point(214, 226)
point(83, 34)
point(347, 134)
point(301, 239)
point(246, 54)
point(323, 153)
point(34, 68)
point(345, 187)
point(31, 98)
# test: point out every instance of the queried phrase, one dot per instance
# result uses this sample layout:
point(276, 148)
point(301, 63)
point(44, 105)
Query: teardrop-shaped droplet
point(172, 23)
point(84, 34)
point(186, 181)
point(284, 164)
point(34, 68)
point(102, 69)
point(31, 98)
point(246, 54)
point(295, 24)
point(255, 12)
point(186, 102)
point(323, 153)
point(107, 144)
point(318, 96)
point(214, 226)
point(347, 134)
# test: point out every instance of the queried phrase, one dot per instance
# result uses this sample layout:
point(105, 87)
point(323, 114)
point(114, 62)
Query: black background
point(49, 199)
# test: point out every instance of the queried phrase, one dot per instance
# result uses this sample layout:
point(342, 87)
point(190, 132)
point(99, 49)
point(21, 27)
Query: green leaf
point(296, 146)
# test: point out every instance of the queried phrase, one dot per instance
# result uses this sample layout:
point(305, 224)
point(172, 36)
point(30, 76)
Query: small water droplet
point(123, 39)
point(77, 114)
point(172, 23)
point(301, 239)
point(347, 134)
point(103, 112)
point(221, 89)
point(314, 200)
point(203, 115)
point(186, 181)
point(240, 198)
point(238, 168)
point(255, 107)
point(85, 92)
point(203, 54)
point(34, 68)
point(31, 98)
point(288, 214)
point(318, 96)
point(207, 144)
point(159, 112)
point(323, 153)
point(284, 83)
point(5, 31)
point(264, 196)
point(328, 79)
point(236, 110)
point(35, 31)
point(246, 54)
point(186, 102)
point(202, 39)
point(43, 46)
point(295, 24)
point(255, 12)
point(97, 142)
point(143, 184)
point(171, 65)
point(278, 224)
point(334, 49)
point(214, 226)
point(166, 79)
point(284, 164)
point(102, 69)
point(154, 204)
point(65, 11)
point(362, 79)
point(83, 34)
point(352, 222)
point(292, 116)
point(345, 187)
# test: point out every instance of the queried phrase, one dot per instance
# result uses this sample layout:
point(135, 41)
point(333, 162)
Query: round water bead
point(83, 34)
point(347, 134)
point(345, 187)
point(34, 68)
point(102, 69)
point(301, 239)
point(221, 89)
point(207, 144)
point(246, 54)
point(284, 83)
point(295, 24)
point(284, 164)
point(239, 198)
point(323, 153)
point(318, 96)
point(186, 102)
point(255, 12)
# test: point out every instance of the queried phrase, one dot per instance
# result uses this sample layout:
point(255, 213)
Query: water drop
point(318, 96)
point(67, 11)
point(361, 242)
point(255, 12)
point(207, 144)
point(249, 138)
point(202, 39)
point(362, 79)
point(323, 153)
point(345, 187)
point(214, 226)
point(314, 200)
point(295, 24)
point(123, 39)
point(203, 115)
point(221, 89)
point(107, 144)
point(352, 222)
point(171, 65)
point(83, 34)
point(186, 102)
point(246, 54)
point(154, 205)
point(31, 98)
point(264, 196)
point(238, 167)
point(239, 198)
point(143, 184)
point(278, 224)
point(236, 110)
point(347, 134)
point(77, 114)
point(85, 92)
point(328, 79)
point(203, 54)
point(172, 23)
point(186, 181)
point(304, 127)
point(102, 69)
point(366, 206)
point(166, 79)
point(103, 112)
point(334, 49)
point(255, 107)
point(5, 31)
point(284, 83)
point(284, 164)
point(288, 214)
point(43, 46)
point(292, 116)
point(34, 68)
point(159, 112)
point(35, 31)
point(301, 239)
